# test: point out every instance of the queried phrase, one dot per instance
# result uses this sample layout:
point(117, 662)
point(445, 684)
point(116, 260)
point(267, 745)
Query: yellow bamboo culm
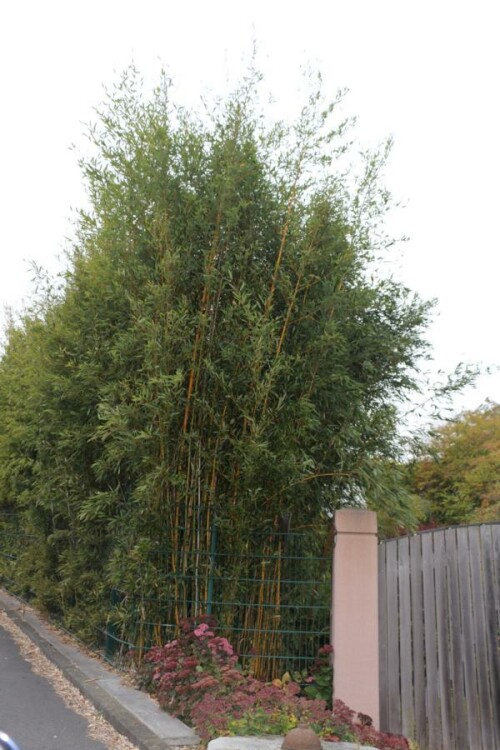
point(257, 626)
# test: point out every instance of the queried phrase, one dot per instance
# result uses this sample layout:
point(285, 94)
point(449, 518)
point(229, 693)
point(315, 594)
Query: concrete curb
point(131, 712)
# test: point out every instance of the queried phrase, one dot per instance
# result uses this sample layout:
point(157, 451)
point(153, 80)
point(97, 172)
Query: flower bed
point(197, 678)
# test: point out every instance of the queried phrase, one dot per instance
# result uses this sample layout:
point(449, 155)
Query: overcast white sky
point(423, 71)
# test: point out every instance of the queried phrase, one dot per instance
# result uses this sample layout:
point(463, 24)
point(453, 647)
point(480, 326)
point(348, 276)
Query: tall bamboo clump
point(217, 366)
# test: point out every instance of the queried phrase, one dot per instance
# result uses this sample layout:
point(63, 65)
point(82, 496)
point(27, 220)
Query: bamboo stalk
point(300, 276)
point(281, 250)
point(197, 347)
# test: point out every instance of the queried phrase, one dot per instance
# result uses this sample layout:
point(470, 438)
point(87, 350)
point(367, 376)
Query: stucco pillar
point(355, 612)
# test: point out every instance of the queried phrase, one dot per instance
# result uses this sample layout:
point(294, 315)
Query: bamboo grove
point(219, 369)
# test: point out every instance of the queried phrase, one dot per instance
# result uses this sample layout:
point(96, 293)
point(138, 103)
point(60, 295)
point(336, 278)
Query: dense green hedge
point(218, 354)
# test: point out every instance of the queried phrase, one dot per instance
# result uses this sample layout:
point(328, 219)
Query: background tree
point(458, 480)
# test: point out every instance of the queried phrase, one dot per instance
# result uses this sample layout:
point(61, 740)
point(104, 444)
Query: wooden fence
point(439, 619)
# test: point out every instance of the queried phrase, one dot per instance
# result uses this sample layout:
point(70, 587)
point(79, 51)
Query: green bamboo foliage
point(217, 362)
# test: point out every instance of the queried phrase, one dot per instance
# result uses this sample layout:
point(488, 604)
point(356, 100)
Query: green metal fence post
point(110, 643)
point(213, 548)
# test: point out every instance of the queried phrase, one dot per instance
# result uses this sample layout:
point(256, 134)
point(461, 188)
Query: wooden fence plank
point(443, 639)
point(432, 702)
point(405, 638)
point(495, 533)
point(479, 617)
point(382, 626)
point(492, 626)
point(393, 664)
point(468, 650)
point(460, 730)
point(418, 645)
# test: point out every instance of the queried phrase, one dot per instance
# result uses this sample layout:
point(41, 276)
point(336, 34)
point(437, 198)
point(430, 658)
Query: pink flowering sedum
point(197, 678)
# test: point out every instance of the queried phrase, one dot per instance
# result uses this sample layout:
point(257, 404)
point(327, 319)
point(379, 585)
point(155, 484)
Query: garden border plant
point(197, 678)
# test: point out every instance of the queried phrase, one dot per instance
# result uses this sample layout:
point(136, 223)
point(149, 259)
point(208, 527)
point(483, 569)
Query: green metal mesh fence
point(270, 598)
point(273, 605)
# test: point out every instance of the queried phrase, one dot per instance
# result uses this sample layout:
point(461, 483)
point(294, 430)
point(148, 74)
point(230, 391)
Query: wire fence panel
point(272, 601)
point(440, 637)
point(270, 595)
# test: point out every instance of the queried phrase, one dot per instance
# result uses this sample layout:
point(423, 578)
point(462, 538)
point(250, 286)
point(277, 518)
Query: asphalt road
point(31, 712)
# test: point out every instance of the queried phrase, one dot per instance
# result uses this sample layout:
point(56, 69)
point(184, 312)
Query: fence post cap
point(354, 521)
point(301, 738)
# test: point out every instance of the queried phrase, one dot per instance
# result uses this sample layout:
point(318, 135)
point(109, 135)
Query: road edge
point(121, 719)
